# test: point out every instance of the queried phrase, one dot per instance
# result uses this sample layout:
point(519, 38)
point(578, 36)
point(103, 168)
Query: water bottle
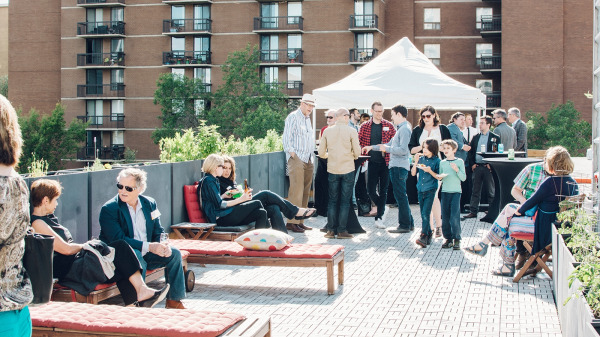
point(483, 148)
point(500, 148)
point(511, 154)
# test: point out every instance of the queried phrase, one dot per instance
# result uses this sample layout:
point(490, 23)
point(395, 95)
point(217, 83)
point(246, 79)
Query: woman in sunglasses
point(429, 127)
point(235, 212)
point(71, 264)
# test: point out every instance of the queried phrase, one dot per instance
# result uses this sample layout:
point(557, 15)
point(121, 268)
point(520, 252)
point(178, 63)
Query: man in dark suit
point(457, 123)
point(134, 218)
point(482, 173)
point(514, 117)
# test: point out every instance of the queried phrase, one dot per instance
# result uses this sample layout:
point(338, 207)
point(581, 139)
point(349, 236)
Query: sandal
point(480, 252)
point(501, 272)
point(306, 214)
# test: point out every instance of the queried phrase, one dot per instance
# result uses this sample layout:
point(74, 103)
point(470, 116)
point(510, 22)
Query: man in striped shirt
point(299, 144)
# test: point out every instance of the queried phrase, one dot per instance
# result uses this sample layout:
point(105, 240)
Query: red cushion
point(116, 319)
point(234, 249)
point(522, 236)
point(190, 196)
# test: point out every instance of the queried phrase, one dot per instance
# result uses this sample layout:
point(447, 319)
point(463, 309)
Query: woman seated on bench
point(273, 203)
point(127, 275)
point(554, 189)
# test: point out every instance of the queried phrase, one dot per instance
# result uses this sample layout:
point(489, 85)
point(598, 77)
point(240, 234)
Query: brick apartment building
point(101, 58)
point(3, 38)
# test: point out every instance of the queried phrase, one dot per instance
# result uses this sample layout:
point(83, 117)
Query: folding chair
point(541, 257)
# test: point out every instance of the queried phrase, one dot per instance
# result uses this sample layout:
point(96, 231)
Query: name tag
point(155, 214)
point(386, 128)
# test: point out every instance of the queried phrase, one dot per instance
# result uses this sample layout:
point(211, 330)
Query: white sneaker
point(379, 224)
point(385, 213)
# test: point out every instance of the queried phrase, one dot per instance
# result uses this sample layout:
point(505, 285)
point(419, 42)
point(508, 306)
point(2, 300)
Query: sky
point(3, 2)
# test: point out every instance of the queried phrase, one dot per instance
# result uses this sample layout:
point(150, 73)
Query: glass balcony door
point(269, 13)
point(268, 47)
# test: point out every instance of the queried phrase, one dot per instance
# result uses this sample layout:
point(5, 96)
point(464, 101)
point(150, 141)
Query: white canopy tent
point(400, 75)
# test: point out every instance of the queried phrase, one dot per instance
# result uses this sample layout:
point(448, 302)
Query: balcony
point(107, 153)
point(364, 23)
point(116, 90)
point(281, 57)
point(489, 63)
point(361, 55)
point(101, 29)
point(491, 25)
point(112, 122)
point(187, 26)
point(175, 2)
point(279, 24)
point(293, 89)
point(101, 60)
point(206, 87)
point(100, 3)
point(186, 58)
point(492, 99)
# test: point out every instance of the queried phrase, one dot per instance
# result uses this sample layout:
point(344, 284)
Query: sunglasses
point(426, 116)
point(219, 165)
point(329, 117)
point(127, 188)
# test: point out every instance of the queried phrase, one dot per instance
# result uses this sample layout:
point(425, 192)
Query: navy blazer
point(116, 223)
point(474, 147)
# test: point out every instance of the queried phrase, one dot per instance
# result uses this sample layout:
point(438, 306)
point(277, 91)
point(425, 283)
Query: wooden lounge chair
point(294, 255)
point(105, 291)
point(82, 319)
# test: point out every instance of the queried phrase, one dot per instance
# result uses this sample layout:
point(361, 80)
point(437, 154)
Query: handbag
point(37, 260)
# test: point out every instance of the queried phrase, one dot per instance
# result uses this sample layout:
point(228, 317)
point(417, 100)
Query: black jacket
point(475, 148)
point(86, 272)
point(417, 131)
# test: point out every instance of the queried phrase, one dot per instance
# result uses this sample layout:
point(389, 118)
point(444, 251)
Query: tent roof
point(400, 75)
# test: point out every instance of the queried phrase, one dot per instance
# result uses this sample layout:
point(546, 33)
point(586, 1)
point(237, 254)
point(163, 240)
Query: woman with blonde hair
point(15, 287)
point(552, 191)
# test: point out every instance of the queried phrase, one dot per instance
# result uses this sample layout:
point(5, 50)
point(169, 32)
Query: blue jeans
point(15, 323)
point(340, 196)
point(425, 204)
point(398, 177)
point(451, 219)
point(378, 176)
point(173, 270)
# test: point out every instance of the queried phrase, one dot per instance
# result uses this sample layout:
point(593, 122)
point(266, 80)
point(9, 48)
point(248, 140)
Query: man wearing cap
point(298, 144)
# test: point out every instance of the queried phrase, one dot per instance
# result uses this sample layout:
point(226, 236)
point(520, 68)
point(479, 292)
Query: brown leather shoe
point(171, 304)
point(469, 216)
point(294, 228)
point(305, 227)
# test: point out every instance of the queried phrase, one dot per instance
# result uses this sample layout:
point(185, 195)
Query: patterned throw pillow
point(264, 239)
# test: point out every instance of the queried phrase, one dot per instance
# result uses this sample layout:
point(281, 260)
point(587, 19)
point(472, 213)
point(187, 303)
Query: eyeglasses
point(329, 117)
point(127, 188)
point(426, 116)
point(347, 115)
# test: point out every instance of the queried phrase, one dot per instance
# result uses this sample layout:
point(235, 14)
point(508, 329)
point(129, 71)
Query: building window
point(431, 18)
point(294, 76)
point(271, 74)
point(116, 76)
point(294, 45)
point(203, 74)
point(294, 12)
point(116, 14)
point(485, 49)
point(201, 17)
point(432, 51)
point(268, 48)
point(486, 86)
point(117, 109)
point(364, 47)
point(94, 111)
point(177, 16)
point(199, 106)
point(179, 72)
point(479, 12)
point(178, 46)
point(269, 11)
point(363, 13)
point(117, 138)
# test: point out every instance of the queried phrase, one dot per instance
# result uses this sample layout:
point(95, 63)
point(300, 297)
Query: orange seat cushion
point(111, 319)
point(216, 248)
point(522, 236)
point(192, 205)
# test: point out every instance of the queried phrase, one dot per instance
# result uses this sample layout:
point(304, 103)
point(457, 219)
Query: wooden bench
point(105, 291)
point(82, 319)
point(294, 255)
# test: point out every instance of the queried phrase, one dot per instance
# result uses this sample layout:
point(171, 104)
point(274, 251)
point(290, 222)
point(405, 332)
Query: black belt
point(480, 164)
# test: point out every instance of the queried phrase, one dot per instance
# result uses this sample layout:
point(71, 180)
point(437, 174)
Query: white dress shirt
point(139, 225)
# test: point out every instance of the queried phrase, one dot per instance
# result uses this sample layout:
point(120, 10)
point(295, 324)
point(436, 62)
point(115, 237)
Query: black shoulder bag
point(37, 260)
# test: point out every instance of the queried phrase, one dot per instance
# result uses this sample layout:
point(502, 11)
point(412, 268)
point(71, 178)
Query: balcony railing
point(281, 56)
point(186, 57)
point(114, 152)
point(95, 3)
point(491, 23)
point(492, 99)
point(101, 90)
point(101, 60)
point(292, 88)
point(364, 22)
point(490, 62)
point(206, 87)
point(101, 28)
point(362, 55)
point(116, 121)
point(279, 23)
point(189, 26)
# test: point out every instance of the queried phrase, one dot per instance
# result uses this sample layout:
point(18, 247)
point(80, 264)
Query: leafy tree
point(245, 105)
point(48, 137)
point(4, 85)
point(177, 96)
point(561, 125)
point(192, 144)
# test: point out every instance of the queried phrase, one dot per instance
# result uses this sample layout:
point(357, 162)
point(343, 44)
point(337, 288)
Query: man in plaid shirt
point(374, 132)
point(526, 183)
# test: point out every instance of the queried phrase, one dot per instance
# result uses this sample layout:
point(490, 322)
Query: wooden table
point(193, 230)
